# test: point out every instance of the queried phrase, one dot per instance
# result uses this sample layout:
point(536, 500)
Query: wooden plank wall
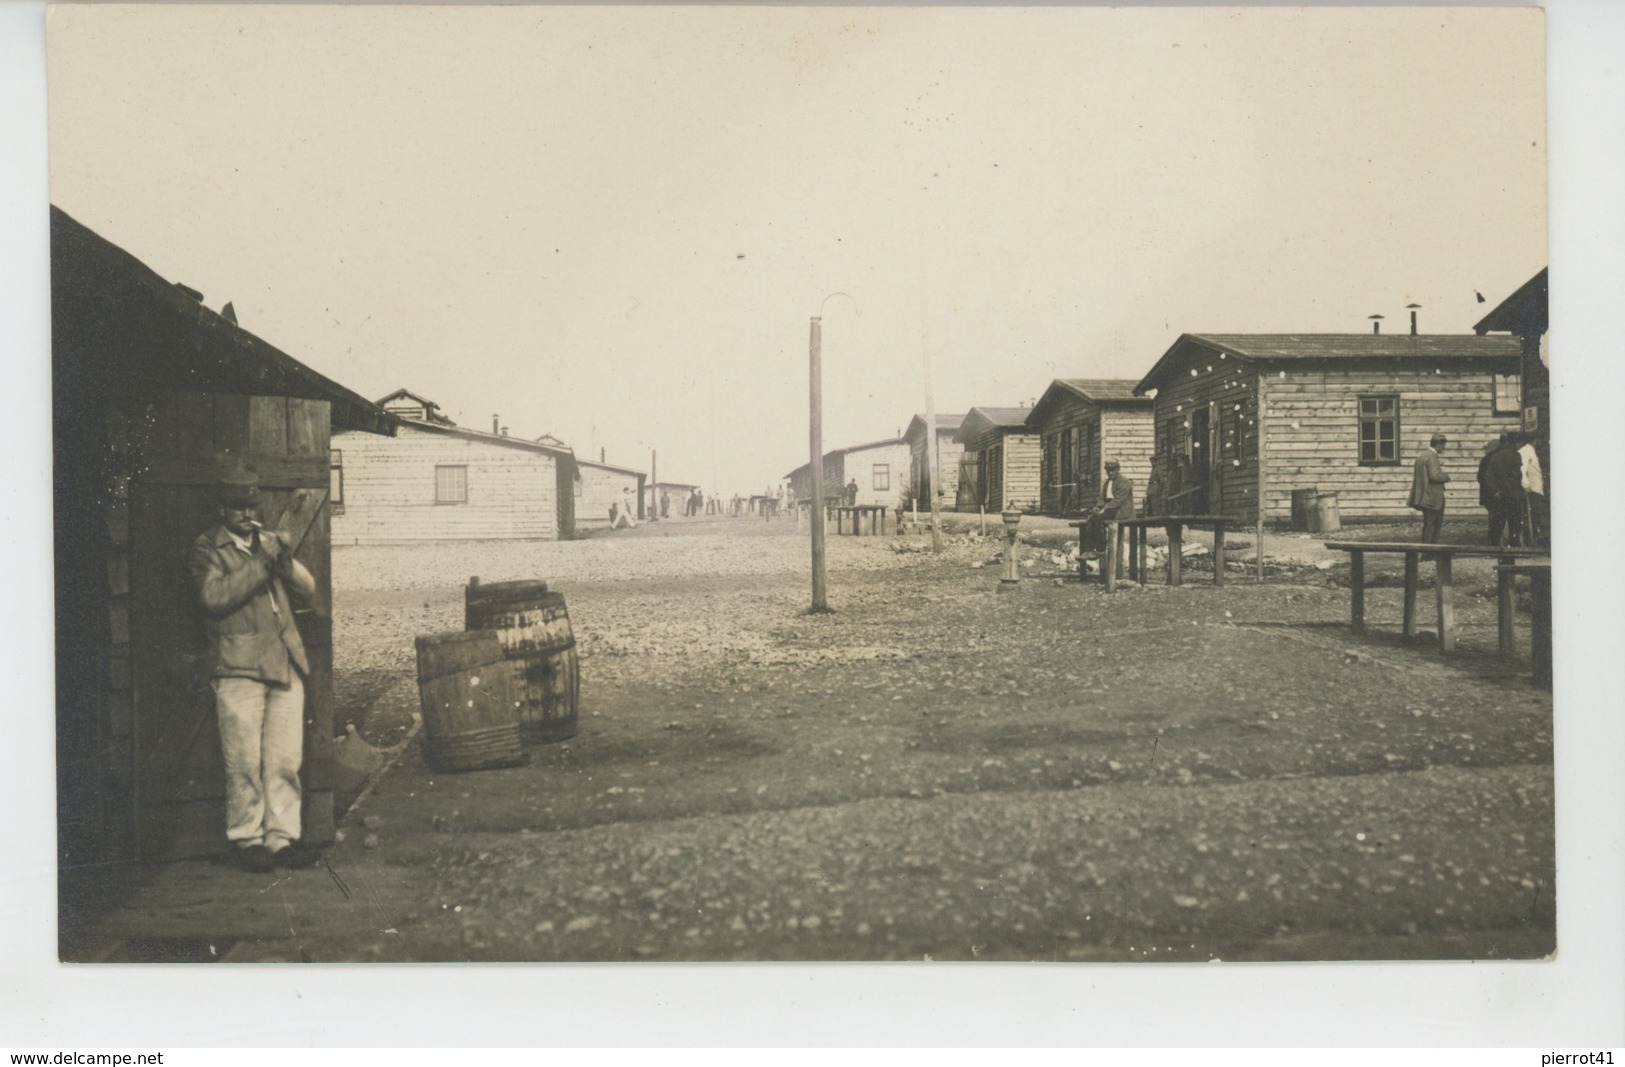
point(1074, 413)
point(948, 454)
point(389, 490)
point(1021, 481)
point(860, 465)
point(1127, 435)
point(1313, 436)
point(1226, 387)
point(599, 489)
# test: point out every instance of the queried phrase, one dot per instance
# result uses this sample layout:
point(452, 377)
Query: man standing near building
point(1505, 479)
point(242, 574)
point(1427, 488)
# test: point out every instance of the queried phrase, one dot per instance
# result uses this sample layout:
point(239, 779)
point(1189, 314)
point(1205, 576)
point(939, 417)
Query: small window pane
point(451, 485)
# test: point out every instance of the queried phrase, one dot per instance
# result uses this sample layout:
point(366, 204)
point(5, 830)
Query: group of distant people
point(1511, 488)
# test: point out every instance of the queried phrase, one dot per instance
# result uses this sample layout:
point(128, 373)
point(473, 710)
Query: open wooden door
point(184, 446)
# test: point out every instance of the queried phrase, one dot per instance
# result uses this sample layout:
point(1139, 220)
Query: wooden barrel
point(468, 691)
point(533, 627)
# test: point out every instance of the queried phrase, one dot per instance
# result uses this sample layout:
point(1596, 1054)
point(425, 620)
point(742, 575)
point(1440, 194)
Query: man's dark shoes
point(297, 857)
point(256, 858)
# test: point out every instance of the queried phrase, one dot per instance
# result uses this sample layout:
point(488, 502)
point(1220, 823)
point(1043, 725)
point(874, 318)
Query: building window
point(335, 478)
point(881, 478)
point(1508, 394)
point(1178, 441)
point(1379, 430)
point(451, 485)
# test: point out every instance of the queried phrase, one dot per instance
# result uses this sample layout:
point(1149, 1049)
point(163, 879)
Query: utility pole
point(815, 433)
point(931, 459)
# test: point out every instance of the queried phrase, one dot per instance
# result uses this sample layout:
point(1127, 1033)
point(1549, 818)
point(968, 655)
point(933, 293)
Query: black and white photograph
point(803, 485)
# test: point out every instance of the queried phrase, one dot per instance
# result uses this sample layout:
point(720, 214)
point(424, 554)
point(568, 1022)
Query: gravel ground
point(935, 769)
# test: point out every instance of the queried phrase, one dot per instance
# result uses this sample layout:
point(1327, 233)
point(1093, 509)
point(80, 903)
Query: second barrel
point(533, 627)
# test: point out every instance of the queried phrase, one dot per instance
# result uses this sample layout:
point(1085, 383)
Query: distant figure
point(1154, 490)
point(1427, 488)
point(1504, 478)
point(1486, 495)
point(852, 493)
point(665, 505)
point(694, 500)
point(1537, 525)
point(622, 519)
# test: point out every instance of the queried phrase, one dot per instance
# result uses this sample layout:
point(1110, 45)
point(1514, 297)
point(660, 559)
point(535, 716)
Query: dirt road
point(933, 770)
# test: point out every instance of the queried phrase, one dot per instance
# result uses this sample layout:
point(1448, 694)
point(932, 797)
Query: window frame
point(1512, 405)
point(880, 477)
point(439, 496)
point(335, 479)
point(1362, 419)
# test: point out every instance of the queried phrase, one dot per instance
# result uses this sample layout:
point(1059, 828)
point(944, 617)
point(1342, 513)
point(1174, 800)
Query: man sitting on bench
point(1116, 502)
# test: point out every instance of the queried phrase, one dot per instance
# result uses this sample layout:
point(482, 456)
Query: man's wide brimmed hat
point(239, 490)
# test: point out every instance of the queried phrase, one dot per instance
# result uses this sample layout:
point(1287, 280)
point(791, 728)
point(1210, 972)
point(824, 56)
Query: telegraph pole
point(815, 434)
point(931, 459)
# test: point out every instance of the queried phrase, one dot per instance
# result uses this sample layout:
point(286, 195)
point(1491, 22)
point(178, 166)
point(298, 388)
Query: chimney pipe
point(494, 426)
point(1376, 323)
point(1413, 309)
point(504, 431)
point(601, 455)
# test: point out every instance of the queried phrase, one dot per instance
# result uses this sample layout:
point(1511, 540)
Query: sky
point(614, 224)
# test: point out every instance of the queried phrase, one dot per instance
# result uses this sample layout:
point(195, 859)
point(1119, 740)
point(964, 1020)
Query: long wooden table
point(876, 513)
point(1134, 532)
point(1443, 557)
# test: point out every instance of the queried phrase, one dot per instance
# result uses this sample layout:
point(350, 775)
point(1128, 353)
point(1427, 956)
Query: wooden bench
point(1134, 530)
point(1539, 572)
point(876, 513)
point(1443, 557)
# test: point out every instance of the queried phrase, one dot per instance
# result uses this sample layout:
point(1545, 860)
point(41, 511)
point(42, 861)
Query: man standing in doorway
point(242, 574)
point(1427, 488)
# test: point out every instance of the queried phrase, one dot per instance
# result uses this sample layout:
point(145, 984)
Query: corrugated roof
point(1297, 347)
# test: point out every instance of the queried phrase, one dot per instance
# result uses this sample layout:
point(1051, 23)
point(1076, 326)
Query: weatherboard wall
point(389, 489)
point(1313, 427)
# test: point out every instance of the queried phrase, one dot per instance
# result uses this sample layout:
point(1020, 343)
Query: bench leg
point(1412, 580)
point(1444, 580)
point(1357, 592)
point(1139, 544)
point(1540, 627)
point(1176, 544)
point(1503, 613)
point(1108, 566)
point(1218, 554)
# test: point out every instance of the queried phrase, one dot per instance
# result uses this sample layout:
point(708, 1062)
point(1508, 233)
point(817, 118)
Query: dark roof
point(860, 448)
point(430, 408)
point(1334, 347)
point(945, 424)
point(1092, 390)
point(602, 466)
point(504, 440)
point(980, 419)
point(155, 336)
point(1522, 314)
